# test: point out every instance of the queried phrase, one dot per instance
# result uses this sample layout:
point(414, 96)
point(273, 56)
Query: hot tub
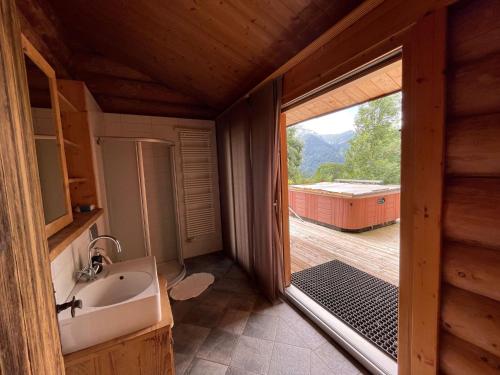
point(346, 206)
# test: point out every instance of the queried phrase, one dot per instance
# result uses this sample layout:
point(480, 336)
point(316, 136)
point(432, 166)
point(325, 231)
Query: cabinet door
point(147, 354)
point(85, 367)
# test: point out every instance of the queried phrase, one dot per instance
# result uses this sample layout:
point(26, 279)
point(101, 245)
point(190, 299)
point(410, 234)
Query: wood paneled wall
point(470, 303)
point(29, 339)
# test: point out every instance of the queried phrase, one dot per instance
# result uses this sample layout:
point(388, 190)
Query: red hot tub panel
point(347, 206)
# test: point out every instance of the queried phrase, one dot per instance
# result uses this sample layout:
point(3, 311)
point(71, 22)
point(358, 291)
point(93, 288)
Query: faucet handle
point(75, 304)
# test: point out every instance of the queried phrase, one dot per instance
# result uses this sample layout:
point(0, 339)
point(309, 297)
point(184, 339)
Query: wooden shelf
point(45, 137)
point(67, 142)
point(76, 180)
point(62, 239)
point(66, 105)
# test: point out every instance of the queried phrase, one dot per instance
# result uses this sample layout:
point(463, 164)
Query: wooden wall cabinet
point(75, 108)
point(76, 129)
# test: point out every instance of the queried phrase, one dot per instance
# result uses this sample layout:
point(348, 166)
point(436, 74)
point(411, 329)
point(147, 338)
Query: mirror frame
point(32, 53)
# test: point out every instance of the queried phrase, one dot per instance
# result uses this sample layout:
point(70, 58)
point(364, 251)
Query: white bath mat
point(192, 286)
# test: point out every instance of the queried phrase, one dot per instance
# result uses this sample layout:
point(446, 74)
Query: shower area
point(142, 201)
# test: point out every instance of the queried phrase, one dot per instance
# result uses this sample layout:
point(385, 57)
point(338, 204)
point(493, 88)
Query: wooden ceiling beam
point(131, 89)
point(42, 28)
point(112, 104)
point(87, 64)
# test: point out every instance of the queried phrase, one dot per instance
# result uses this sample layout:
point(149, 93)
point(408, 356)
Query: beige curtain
point(248, 142)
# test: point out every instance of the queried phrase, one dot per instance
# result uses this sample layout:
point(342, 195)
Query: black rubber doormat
point(365, 303)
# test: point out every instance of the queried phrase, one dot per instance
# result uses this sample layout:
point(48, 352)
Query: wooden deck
point(375, 252)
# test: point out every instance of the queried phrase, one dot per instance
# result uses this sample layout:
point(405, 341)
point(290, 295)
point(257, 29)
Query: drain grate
point(367, 304)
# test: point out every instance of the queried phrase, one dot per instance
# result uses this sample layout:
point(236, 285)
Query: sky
point(334, 123)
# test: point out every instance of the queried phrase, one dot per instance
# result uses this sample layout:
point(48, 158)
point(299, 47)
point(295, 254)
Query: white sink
point(124, 299)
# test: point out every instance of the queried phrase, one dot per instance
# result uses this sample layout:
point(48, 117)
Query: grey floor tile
point(289, 360)
point(215, 298)
point(204, 315)
point(310, 334)
point(238, 371)
point(350, 368)
point(318, 367)
point(202, 367)
point(334, 358)
point(244, 302)
point(287, 312)
point(286, 335)
point(236, 272)
point(234, 321)
point(218, 346)
point(188, 338)
point(208, 328)
point(235, 286)
point(262, 305)
point(181, 308)
point(261, 326)
point(182, 363)
point(252, 355)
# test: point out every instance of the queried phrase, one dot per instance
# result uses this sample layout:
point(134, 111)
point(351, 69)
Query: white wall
point(72, 259)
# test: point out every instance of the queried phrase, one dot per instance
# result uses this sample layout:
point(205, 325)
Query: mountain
point(322, 148)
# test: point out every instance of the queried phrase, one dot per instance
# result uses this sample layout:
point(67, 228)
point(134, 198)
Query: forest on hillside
point(372, 151)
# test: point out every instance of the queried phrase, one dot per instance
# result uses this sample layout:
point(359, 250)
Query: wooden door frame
point(285, 220)
point(422, 176)
point(28, 324)
point(422, 180)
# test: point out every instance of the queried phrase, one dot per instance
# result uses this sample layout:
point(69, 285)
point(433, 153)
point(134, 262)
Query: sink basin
point(115, 288)
point(124, 299)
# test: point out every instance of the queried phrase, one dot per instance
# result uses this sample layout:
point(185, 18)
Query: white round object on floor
point(192, 286)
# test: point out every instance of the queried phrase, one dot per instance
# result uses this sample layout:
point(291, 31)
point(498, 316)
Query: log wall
point(470, 302)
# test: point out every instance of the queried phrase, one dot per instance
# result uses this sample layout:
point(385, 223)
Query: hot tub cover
point(348, 189)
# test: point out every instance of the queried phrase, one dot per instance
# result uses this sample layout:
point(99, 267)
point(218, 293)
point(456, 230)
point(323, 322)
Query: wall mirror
point(49, 140)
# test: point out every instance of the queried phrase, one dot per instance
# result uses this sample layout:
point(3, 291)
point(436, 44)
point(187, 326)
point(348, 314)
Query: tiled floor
point(230, 329)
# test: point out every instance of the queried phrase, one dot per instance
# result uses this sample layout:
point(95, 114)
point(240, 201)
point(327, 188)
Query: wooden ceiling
point(378, 83)
point(189, 58)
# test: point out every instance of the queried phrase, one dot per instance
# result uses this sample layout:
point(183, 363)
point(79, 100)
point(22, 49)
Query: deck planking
point(375, 252)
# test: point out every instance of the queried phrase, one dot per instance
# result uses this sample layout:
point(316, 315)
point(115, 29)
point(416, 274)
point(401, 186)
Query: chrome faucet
point(89, 272)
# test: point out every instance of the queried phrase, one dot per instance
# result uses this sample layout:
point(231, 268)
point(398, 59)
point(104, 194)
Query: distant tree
point(375, 152)
point(327, 172)
point(295, 147)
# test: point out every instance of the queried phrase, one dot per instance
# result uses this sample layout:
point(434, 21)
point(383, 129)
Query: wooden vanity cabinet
point(148, 351)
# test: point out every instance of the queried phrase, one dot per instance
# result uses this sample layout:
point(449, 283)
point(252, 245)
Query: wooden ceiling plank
point(211, 50)
point(369, 88)
point(236, 33)
point(125, 88)
point(219, 33)
point(87, 64)
point(133, 106)
point(43, 31)
point(159, 63)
